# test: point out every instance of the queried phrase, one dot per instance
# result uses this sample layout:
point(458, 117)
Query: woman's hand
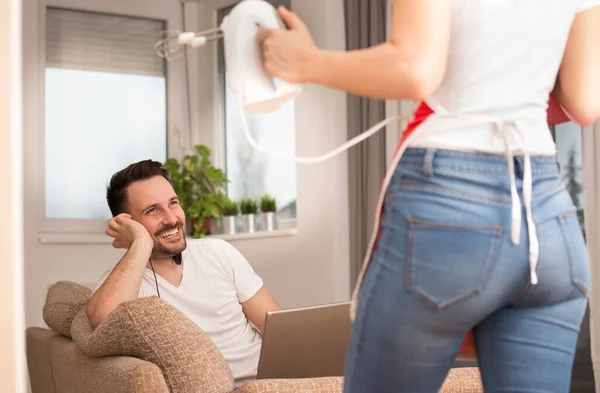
point(287, 53)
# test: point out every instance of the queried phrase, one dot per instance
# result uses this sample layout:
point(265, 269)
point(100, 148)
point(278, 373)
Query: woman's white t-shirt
point(216, 279)
point(503, 61)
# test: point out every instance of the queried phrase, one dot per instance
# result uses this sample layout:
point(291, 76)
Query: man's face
point(154, 204)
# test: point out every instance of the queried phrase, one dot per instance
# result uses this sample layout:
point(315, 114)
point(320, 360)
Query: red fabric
point(467, 348)
point(421, 114)
point(556, 114)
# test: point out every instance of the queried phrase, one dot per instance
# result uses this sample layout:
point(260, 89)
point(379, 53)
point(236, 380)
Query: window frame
point(177, 127)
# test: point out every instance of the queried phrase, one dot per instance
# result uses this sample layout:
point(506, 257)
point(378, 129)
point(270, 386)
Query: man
point(209, 281)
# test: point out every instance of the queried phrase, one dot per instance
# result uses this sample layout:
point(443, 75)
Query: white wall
point(12, 356)
point(307, 268)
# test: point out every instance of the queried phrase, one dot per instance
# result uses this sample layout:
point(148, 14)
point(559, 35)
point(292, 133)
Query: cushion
point(150, 329)
point(463, 380)
point(312, 385)
point(76, 372)
point(63, 301)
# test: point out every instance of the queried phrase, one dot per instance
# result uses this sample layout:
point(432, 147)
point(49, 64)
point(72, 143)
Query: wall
point(12, 366)
point(308, 268)
point(591, 179)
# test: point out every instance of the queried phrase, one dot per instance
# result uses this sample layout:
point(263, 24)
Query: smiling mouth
point(170, 233)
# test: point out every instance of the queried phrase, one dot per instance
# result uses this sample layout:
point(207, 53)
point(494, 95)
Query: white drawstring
point(515, 231)
point(534, 245)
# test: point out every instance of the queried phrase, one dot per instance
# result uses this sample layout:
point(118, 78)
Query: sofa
point(146, 345)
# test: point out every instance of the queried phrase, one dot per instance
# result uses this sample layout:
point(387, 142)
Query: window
point(105, 106)
point(252, 173)
point(568, 138)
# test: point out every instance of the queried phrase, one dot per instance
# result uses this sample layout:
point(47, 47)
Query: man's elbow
point(95, 315)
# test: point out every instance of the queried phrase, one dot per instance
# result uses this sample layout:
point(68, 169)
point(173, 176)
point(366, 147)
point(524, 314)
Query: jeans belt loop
point(428, 162)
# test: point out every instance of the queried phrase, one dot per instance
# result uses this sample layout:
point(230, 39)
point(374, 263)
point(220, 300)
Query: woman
point(477, 231)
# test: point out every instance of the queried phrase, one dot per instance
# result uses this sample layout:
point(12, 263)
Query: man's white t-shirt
point(216, 279)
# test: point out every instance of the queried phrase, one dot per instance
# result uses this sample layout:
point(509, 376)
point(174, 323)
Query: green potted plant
point(268, 212)
point(200, 187)
point(230, 212)
point(249, 208)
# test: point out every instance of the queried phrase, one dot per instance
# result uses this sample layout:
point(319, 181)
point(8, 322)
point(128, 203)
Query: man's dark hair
point(116, 192)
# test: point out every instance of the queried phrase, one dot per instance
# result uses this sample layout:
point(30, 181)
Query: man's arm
point(257, 307)
point(124, 281)
point(254, 298)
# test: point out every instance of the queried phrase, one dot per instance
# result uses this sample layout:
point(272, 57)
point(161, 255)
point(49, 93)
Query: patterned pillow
point(63, 302)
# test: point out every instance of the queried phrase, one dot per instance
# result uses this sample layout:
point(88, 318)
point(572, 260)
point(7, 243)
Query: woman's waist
point(521, 131)
point(466, 162)
point(492, 137)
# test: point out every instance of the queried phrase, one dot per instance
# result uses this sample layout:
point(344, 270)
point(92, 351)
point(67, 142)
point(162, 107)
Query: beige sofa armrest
point(38, 359)
point(75, 372)
point(312, 385)
point(150, 329)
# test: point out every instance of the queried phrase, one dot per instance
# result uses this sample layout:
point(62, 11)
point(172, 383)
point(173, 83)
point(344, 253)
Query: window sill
point(257, 235)
point(97, 238)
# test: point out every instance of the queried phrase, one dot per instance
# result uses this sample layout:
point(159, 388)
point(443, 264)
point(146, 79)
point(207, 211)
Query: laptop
point(306, 342)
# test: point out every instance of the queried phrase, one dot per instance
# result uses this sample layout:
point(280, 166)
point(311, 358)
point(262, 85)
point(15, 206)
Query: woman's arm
point(410, 66)
point(578, 83)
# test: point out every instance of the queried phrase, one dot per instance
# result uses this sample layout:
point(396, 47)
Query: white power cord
point(315, 159)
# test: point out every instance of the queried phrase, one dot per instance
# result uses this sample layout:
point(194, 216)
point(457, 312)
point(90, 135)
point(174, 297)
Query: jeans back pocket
point(447, 263)
point(577, 250)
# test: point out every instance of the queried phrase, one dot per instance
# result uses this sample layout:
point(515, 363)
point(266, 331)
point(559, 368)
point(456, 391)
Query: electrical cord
point(315, 159)
point(155, 279)
point(177, 259)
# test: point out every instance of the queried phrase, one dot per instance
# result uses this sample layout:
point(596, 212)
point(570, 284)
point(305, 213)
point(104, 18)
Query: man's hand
point(125, 231)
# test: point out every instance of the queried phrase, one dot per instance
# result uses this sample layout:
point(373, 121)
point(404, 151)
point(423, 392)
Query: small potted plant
point(200, 187)
point(268, 212)
point(249, 208)
point(230, 211)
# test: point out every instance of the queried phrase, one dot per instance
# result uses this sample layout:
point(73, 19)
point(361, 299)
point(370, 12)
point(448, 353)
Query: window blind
point(103, 42)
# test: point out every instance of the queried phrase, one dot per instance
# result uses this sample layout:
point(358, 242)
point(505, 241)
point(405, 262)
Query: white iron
point(260, 92)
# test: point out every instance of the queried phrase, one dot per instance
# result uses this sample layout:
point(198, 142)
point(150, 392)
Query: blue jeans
point(445, 264)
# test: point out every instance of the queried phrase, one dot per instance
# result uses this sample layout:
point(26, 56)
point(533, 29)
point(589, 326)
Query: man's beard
point(161, 251)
